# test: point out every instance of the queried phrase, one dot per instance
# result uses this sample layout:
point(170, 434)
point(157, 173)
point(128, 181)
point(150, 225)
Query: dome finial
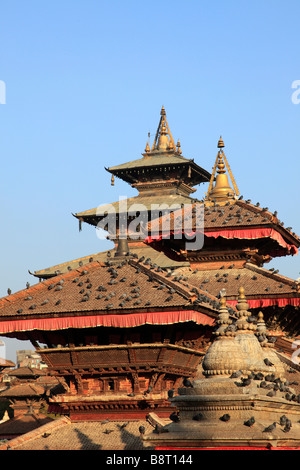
point(221, 191)
point(163, 138)
point(221, 143)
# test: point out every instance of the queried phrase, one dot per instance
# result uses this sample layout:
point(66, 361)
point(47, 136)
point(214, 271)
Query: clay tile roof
point(22, 424)
point(4, 363)
point(231, 216)
point(157, 257)
point(62, 434)
point(99, 288)
point(258, 282)
point(26, 372)
point(23, 390)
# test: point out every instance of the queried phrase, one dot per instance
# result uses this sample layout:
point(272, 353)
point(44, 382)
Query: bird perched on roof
point(9, 291)
point(282, 420)
point(268, 363)
point(187, 383)
point(108, 431)
point(270, 428)
point(174, 417)
point(287, 426)
point(246, 381)
point(198, 417)
point(122, 426)
point(236, 375)
point(142, 429)
point(258, 376)
point(225, 417)
point(250, 422)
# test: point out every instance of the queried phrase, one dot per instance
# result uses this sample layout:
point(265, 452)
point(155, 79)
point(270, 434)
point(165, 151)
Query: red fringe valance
point(259, 303)
point(92, 321)
point(228, 448)
point(238, 233)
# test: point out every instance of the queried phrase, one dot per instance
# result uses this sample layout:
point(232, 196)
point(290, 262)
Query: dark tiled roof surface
point(145, 200)
point(27, 372)
point(23, 424)
point(155, 160)
point(62, 434)
point(237, 215)
point(257, 282)
point(101, 288)
point(24, 390)
point(157, 257)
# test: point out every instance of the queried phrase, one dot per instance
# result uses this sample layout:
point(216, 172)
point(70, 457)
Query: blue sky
point(85, 82)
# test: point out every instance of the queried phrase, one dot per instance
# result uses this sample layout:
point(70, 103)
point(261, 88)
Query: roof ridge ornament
point(222, 190)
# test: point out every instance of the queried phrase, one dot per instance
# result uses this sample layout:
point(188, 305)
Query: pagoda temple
point(240, 237)
point(121, 327)
point(116, 335)
point(162, 177)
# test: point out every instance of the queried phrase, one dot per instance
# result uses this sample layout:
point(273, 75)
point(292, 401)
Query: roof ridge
point(72, 261)
point(159, 277)
point(270, 274)
point(270, 215)
point(187, 289)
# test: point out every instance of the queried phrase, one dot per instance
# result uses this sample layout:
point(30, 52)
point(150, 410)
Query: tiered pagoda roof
point(91, 296)
point(157, 256)
point(162, 175)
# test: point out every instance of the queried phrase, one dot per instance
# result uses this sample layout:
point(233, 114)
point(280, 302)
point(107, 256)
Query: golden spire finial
point(147, 149)
point(222, 191)
point(221, 143)
point(163, 138)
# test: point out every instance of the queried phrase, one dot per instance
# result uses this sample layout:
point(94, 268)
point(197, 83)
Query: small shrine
point(243, 401)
